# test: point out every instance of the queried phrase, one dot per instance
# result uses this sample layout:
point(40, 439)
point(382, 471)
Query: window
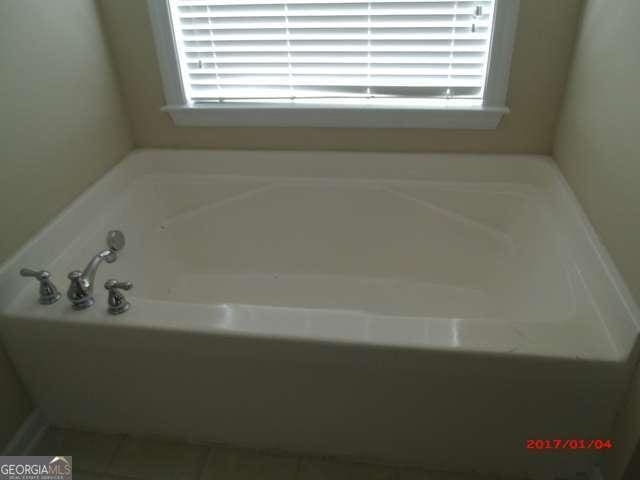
point(377, 63)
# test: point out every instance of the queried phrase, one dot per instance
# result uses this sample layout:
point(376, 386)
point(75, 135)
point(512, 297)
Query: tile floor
point(115, 457)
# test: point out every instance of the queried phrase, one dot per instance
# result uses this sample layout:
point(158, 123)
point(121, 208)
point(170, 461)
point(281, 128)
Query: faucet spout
point(89, 273)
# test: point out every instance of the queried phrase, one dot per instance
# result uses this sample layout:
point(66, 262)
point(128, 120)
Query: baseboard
point(28, 435)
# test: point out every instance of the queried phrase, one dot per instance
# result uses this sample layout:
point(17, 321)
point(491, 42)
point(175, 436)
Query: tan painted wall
point(597, 149)
point(62, 126)
point(542, 55)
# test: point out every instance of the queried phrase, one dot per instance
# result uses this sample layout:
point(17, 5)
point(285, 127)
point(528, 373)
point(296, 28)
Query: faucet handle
point(79, 291)
point(39, 274)
point(117, 302)
point(49, 294)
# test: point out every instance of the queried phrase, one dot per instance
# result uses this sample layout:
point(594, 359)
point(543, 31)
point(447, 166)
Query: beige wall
point(597, 149)
point(62, 125)
point(542, 53)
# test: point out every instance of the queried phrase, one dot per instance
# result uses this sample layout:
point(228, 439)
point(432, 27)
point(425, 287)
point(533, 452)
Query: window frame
point(486, 115)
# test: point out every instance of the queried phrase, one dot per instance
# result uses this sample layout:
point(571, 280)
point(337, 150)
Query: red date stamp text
point(569, 444)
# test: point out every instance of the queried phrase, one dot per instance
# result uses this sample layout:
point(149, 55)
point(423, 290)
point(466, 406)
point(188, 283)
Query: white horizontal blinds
point(253, 50)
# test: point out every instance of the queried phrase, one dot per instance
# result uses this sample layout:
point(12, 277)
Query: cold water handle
point(117, 302)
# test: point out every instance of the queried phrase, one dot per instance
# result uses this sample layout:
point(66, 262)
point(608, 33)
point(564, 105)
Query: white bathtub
point(435, 310)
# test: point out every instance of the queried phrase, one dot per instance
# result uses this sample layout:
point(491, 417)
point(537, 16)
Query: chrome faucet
point(82, 283)
point(117, 303)
point(48, 292)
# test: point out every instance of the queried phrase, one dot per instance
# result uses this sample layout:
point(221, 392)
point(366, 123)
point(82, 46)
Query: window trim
point(483, 116)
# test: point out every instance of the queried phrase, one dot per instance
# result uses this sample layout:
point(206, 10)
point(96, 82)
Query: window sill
point(279, 115)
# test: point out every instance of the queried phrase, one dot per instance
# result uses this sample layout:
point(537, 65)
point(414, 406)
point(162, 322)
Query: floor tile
point(411, 474)
point(459, 476)
point(90, 451)
point(431, 475)
point(94, 476)
point(88, 476)
point(158, 460)
point(330, 470)
point(236, 464)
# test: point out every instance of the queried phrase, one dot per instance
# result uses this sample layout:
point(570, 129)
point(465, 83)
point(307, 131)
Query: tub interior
point(391, 248)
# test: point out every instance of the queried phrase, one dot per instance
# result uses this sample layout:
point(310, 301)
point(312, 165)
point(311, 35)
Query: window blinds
point(332, 50)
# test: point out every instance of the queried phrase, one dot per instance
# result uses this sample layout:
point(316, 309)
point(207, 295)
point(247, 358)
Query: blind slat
point(338, 71)
point(215, 28)
point(211, 64)
point(195, 18)
point(250, 3)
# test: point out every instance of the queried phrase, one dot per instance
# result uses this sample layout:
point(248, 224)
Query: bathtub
point(432, 310)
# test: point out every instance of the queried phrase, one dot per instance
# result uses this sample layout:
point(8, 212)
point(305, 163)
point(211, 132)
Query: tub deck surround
point(304, 300)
